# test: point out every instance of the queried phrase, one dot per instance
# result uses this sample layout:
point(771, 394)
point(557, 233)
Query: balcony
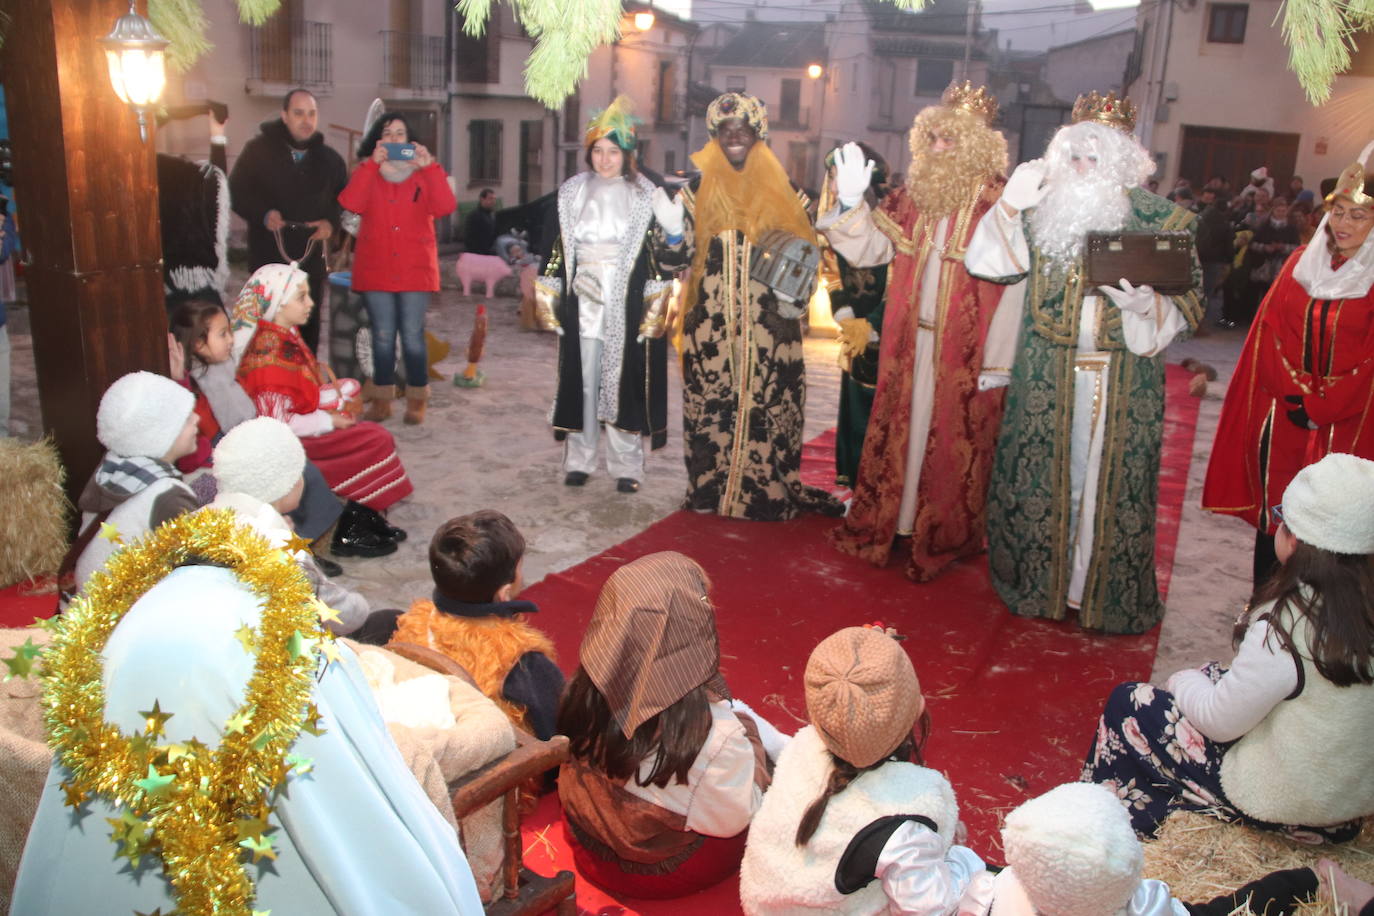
point(415, 62)
point(285, 53)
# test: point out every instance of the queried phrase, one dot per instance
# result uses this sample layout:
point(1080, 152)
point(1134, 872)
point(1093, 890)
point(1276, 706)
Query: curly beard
point(942, 182)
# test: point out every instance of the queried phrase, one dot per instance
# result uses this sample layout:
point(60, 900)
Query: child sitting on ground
point(1280, 740)
point(665, 773)
point(475, 619)
point(1072, 852)
point(146, 422)
point(258, 466)
point(853, 822)
point(201, 350)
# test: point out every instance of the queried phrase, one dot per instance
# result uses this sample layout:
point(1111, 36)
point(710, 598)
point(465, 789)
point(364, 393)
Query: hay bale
point(1200, 857)
point(33, 511)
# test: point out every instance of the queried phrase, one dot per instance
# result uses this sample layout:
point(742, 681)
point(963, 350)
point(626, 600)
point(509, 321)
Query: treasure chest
point(1163, 260)
point(785, 263)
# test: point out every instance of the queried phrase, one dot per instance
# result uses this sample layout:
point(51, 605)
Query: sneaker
point(575, 479)
point(627, 485)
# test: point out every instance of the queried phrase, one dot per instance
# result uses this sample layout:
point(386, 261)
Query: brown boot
point(378, 398)
point(416, 398)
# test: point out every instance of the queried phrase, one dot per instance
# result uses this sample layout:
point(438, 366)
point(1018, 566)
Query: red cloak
point(952, 493)
point(1321, 350)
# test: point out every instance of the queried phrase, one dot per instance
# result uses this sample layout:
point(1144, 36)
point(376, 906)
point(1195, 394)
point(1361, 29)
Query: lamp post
point(134, 53)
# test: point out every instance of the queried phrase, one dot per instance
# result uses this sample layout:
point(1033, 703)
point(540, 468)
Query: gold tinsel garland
point(198, 808)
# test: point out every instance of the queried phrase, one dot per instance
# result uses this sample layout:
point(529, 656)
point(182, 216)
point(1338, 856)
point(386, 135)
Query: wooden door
point(1233, 154)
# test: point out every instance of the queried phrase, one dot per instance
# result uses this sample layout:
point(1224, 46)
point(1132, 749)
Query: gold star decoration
point(329, 650)
point(155, 784)
point(262, 913)
point(155, 721)
point(248, 828)
point(259, 846)
point(311, 723)
point(238, 721)
point(131, 834)
point(325, 612)
point(156, 912)
point(247, 638)
point(110, 533)
point(75, 798)
point(21, 663)
point(296, 544)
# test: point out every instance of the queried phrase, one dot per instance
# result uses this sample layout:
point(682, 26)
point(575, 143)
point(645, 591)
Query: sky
point(1030, 25)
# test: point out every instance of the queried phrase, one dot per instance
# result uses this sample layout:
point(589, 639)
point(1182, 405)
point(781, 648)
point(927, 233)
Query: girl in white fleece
point(1280, 739)
point(851, 824)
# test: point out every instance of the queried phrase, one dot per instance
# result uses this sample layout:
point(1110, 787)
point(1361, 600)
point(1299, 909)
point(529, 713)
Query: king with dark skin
point(736, 139)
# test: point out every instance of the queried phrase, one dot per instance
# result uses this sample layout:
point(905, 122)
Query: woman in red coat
point(1304, 385)
point(396, 263)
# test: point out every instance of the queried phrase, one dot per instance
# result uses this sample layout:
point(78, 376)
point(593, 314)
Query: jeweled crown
point(1105, 109)
point(1351, 185)
point(976, 101)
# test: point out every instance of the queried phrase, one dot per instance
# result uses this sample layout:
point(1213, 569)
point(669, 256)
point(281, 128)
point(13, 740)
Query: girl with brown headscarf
point(666, 771)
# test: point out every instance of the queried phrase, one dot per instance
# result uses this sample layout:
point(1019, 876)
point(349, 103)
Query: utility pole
point(971, 17)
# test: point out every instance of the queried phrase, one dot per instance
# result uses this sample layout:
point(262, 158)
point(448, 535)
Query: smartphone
point(403, 152)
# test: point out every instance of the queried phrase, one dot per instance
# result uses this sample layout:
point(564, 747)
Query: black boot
point(354, 536)
point(378, 524)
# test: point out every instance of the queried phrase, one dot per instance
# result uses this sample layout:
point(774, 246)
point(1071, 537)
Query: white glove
point(1139, 299)
point(990, 380)
point(852, 174)
point(1026, 186)
point(669, 213)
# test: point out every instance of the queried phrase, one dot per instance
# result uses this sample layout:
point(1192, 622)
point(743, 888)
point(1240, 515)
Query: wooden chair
point(526, 893)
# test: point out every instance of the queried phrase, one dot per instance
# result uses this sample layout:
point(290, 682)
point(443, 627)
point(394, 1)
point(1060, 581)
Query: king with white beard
point(1071, 504)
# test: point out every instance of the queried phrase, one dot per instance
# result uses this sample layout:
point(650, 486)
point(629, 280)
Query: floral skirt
point(1157, 762)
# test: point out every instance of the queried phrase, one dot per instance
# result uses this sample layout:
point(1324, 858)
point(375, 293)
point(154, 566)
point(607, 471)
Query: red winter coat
point(395, 252)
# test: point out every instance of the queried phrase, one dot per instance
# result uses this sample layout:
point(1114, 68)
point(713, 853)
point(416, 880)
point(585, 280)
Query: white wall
point(1085, 66)
point(1244, 86)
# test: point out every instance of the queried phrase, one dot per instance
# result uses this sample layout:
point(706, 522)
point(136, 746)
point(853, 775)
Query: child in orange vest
point(475, 619)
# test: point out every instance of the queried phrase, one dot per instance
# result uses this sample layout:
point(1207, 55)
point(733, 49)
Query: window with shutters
point(484, 151)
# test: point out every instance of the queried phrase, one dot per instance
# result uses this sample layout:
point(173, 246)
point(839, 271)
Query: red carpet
point(1013, 701)
point(20, 604)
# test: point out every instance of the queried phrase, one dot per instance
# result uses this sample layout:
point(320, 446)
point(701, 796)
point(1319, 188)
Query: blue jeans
point(383, 310)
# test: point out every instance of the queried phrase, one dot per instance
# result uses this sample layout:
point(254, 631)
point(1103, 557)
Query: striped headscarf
point(652, 638)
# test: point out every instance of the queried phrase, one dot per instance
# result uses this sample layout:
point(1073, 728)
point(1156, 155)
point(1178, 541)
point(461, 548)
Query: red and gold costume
point(282, 377)
point(1319, 350)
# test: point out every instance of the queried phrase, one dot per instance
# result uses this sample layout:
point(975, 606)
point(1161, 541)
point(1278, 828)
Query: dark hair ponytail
point(842, 773)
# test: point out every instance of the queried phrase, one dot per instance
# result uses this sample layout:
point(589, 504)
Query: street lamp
point(138, 72)
point(814, 71)
point(644, 20)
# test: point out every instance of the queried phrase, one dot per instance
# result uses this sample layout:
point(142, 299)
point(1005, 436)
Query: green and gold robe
point(1071, 505)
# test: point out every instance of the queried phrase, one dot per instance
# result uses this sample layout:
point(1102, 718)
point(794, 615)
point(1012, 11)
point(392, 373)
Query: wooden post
point(86, 188)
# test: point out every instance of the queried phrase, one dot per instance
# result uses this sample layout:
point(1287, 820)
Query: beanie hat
point(262, 458)
point(142, 414)
point(1073, 851)
point(862, 694)
point(1330, 504)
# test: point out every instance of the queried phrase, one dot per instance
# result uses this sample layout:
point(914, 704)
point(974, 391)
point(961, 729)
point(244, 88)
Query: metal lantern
point(138, 71)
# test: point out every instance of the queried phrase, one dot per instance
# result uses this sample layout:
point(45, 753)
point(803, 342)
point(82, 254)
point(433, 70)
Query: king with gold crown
point(929, 444)
point(1071, 503)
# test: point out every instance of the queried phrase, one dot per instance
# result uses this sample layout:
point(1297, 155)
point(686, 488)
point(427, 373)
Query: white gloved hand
point(852, 174)
point(1026, 186)
point(669, 213)
point(1139, 299)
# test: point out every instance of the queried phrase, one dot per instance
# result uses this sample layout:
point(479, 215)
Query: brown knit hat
point(862, 694)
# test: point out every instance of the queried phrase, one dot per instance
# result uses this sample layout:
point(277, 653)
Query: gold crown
point(1105, 109)
point(1351, 185)
point(975, 101)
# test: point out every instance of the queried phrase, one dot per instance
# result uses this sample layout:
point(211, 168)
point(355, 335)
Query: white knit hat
point(262, 458)
point(1330, 504)
point(142, 414)
point(1074, 851)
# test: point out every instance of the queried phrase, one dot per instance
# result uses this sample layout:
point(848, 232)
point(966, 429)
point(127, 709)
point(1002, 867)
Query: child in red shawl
point(280, 374)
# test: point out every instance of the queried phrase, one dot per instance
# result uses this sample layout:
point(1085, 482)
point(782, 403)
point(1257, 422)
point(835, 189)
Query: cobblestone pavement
point(491, 447)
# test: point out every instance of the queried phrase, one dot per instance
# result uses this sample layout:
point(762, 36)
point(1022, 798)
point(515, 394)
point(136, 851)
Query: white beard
point(1073, 206)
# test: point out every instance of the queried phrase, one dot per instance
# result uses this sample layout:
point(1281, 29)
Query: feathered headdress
point(614, 121)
